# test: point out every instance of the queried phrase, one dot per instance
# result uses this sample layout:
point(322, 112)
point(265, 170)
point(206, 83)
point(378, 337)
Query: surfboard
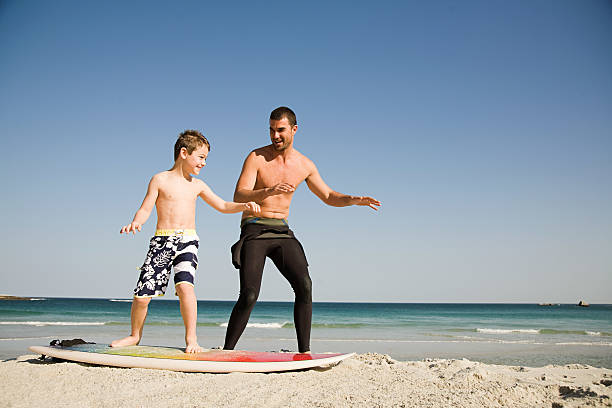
point(175, 359)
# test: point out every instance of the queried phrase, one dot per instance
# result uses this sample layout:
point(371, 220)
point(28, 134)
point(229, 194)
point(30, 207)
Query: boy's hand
point(131, 228)
point(252, 206)
point(369, 201)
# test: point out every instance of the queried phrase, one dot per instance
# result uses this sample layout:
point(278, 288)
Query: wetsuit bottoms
point(287, 254)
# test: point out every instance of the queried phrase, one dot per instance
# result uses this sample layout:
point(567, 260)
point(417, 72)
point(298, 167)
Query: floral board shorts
point(176, 249)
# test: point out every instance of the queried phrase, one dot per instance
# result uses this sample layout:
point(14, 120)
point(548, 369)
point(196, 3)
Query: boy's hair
point(190, 140)
point(284, 112)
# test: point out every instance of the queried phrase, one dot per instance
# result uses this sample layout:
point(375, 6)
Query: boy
point(175, 244)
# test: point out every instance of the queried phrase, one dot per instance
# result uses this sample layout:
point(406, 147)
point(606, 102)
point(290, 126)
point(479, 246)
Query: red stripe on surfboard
point(257, 357)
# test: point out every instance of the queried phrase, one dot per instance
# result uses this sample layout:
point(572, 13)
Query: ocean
point(514, 334)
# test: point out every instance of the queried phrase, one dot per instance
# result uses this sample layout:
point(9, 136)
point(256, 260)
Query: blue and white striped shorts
point(176, 249)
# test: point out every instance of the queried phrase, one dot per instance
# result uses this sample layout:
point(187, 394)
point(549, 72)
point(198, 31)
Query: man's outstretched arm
point(335, 199)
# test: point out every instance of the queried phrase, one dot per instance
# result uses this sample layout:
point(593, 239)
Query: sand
point(366, 380)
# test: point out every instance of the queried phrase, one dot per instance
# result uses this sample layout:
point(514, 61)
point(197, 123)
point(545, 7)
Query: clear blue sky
point(484, 127)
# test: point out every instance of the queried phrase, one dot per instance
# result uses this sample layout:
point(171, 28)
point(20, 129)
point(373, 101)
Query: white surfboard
point(209, 361)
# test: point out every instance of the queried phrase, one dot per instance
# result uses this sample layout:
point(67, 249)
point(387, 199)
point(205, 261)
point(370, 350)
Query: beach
point(365, 380)
point(408, 355)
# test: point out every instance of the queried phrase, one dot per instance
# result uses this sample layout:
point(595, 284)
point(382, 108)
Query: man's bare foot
point(126, 341)
point(193, 347)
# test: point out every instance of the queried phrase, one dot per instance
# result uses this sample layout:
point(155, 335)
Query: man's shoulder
point(261, 153)
point(301, 155)
point(304, 159)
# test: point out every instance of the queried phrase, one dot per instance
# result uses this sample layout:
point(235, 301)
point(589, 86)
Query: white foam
point(475, 340)
point(507, 331)
point(489, 341)
point(53, 323)
point(576, 343)
point(590, 333)
point(262, 325)
point(37, 299)
point(120, 300)
point(25, 338)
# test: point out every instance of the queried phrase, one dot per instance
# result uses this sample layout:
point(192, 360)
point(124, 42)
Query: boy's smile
point(197, 159)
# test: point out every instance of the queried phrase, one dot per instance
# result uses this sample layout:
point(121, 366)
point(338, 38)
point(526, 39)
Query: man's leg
point(253, 258)
point(189, 311)
point(290, 260)
point(140, 306)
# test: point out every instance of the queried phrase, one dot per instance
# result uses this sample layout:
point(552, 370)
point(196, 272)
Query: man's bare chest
point(271, 173)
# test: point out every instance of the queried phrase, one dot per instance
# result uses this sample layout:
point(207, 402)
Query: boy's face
point(196, 160)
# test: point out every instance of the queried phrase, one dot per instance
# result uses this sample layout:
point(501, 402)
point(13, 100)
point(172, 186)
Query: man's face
point(281, 134)
point(197, 159)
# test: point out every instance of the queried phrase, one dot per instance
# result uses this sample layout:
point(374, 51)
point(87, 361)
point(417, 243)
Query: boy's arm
point(145, 209)
point(330, 197)
point(226, 207)
point(246, 183)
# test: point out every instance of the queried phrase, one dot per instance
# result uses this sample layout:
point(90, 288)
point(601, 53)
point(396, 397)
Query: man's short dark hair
point(284, 112)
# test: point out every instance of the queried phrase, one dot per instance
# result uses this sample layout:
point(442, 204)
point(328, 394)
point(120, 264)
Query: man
point(269, 177)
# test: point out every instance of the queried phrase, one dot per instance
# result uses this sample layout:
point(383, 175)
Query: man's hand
point(369, 201)
point(253, 207)
point(281, 188)
point(131, 228)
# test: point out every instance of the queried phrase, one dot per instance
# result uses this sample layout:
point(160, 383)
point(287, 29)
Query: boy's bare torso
point(176, 200)
point(273, 169)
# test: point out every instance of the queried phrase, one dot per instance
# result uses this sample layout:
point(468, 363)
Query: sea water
point(517, 334)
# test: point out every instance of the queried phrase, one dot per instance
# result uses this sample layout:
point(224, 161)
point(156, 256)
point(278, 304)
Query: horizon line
point(322, 301)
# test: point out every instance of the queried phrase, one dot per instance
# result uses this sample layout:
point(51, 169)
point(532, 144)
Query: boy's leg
point(152, 282)
point(189, 311)
point(140, 307)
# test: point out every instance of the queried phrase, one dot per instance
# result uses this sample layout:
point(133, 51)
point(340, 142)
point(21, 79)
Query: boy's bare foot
point(126, 341)
point(193, 347)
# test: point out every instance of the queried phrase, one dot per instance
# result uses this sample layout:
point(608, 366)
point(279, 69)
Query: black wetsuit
point(261, 238)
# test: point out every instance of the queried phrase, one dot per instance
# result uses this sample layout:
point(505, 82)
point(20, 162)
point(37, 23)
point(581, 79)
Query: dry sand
point(366, 380)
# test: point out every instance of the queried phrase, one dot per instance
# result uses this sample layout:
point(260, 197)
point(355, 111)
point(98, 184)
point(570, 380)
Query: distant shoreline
point(9, 297)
